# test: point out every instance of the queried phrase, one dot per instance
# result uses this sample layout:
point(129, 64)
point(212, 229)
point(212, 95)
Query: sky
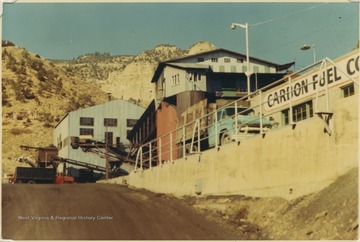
point(276, 33)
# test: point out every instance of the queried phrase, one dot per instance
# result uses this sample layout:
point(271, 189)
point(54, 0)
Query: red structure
point(166, 121)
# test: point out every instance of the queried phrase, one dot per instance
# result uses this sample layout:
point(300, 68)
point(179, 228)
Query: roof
point(222, 50)
point(177, 62)
point(189, 65)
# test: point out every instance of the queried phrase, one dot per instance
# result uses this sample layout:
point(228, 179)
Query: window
point(348, 90)
point(239, 60)
point(118, 143)
point(86, 121)
point(285, 116)
point(256, 69)
point(131, 122)
point(87, 131)
point(227, 60)
point(214, 59)
point(300, 112)
point(201, 59)
point(176, 79)
point(110, 122)
point(109, 138)
point(197, 77)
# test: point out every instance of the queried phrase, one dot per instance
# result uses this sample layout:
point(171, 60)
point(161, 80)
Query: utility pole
point(248, 72)
point(106, 154)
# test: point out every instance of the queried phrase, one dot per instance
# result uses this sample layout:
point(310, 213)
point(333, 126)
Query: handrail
point(195, 136)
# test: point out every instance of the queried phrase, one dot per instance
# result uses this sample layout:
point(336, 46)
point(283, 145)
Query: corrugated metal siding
point(70, 126)
point(166, 121)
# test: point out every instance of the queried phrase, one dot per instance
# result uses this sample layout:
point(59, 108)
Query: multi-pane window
point(214, 60)
point(85, 121)
point(131, 122)
point(227, 60)
point(110, 122)
point(299, 112)
point(201, 59)
point(239, 60)
point(348, 90)
point(84, 131)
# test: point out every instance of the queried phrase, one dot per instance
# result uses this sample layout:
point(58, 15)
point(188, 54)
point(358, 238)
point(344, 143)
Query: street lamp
point(307, 47)
point(248, 72)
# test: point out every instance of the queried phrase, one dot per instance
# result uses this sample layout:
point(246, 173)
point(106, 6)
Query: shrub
point(28, 93)
point(27, 123)
point(19, 131)
point(48, 125)
point(5, 43)
point(41, 75)
point(36, 65)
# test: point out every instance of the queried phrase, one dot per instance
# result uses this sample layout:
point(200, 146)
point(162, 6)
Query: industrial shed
point(109, 122)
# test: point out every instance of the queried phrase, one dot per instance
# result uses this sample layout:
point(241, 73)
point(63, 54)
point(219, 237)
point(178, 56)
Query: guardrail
point(195, 136)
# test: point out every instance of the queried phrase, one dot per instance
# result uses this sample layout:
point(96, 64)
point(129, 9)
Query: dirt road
point(102, 212)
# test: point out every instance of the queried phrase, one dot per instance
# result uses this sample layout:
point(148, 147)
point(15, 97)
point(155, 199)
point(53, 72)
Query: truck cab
point(231, 124)
point(63, 179)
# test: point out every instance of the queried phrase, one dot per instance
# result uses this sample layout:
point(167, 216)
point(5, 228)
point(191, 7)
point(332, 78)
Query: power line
point(287, 15)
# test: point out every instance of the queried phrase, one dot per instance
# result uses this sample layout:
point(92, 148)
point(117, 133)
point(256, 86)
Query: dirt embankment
point(331, 214)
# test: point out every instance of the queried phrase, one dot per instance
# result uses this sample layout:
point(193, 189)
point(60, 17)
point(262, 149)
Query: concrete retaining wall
point(287, 162)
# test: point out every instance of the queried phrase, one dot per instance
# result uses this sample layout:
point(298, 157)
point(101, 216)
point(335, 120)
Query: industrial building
point(108, 123)
point(217, 75)
point(315, 141)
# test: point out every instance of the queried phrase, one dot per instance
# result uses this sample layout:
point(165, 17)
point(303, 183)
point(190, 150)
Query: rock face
point(199, 47)
point(128, 77)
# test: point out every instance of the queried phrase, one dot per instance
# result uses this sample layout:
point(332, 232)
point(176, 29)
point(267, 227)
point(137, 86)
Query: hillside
point(37, 93)
point(35, 96)
point(128, 77)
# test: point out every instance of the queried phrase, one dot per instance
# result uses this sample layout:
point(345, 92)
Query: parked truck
point(32, 175)
point(43, 169)
point(216, 126)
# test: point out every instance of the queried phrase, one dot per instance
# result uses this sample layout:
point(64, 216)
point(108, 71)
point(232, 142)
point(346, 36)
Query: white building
point(216, 71)
point(113, 120)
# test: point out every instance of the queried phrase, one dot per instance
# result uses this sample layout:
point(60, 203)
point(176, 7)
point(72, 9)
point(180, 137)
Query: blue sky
point(278, 30)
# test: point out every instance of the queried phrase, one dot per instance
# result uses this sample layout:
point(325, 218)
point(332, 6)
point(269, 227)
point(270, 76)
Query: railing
point(206, 132)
